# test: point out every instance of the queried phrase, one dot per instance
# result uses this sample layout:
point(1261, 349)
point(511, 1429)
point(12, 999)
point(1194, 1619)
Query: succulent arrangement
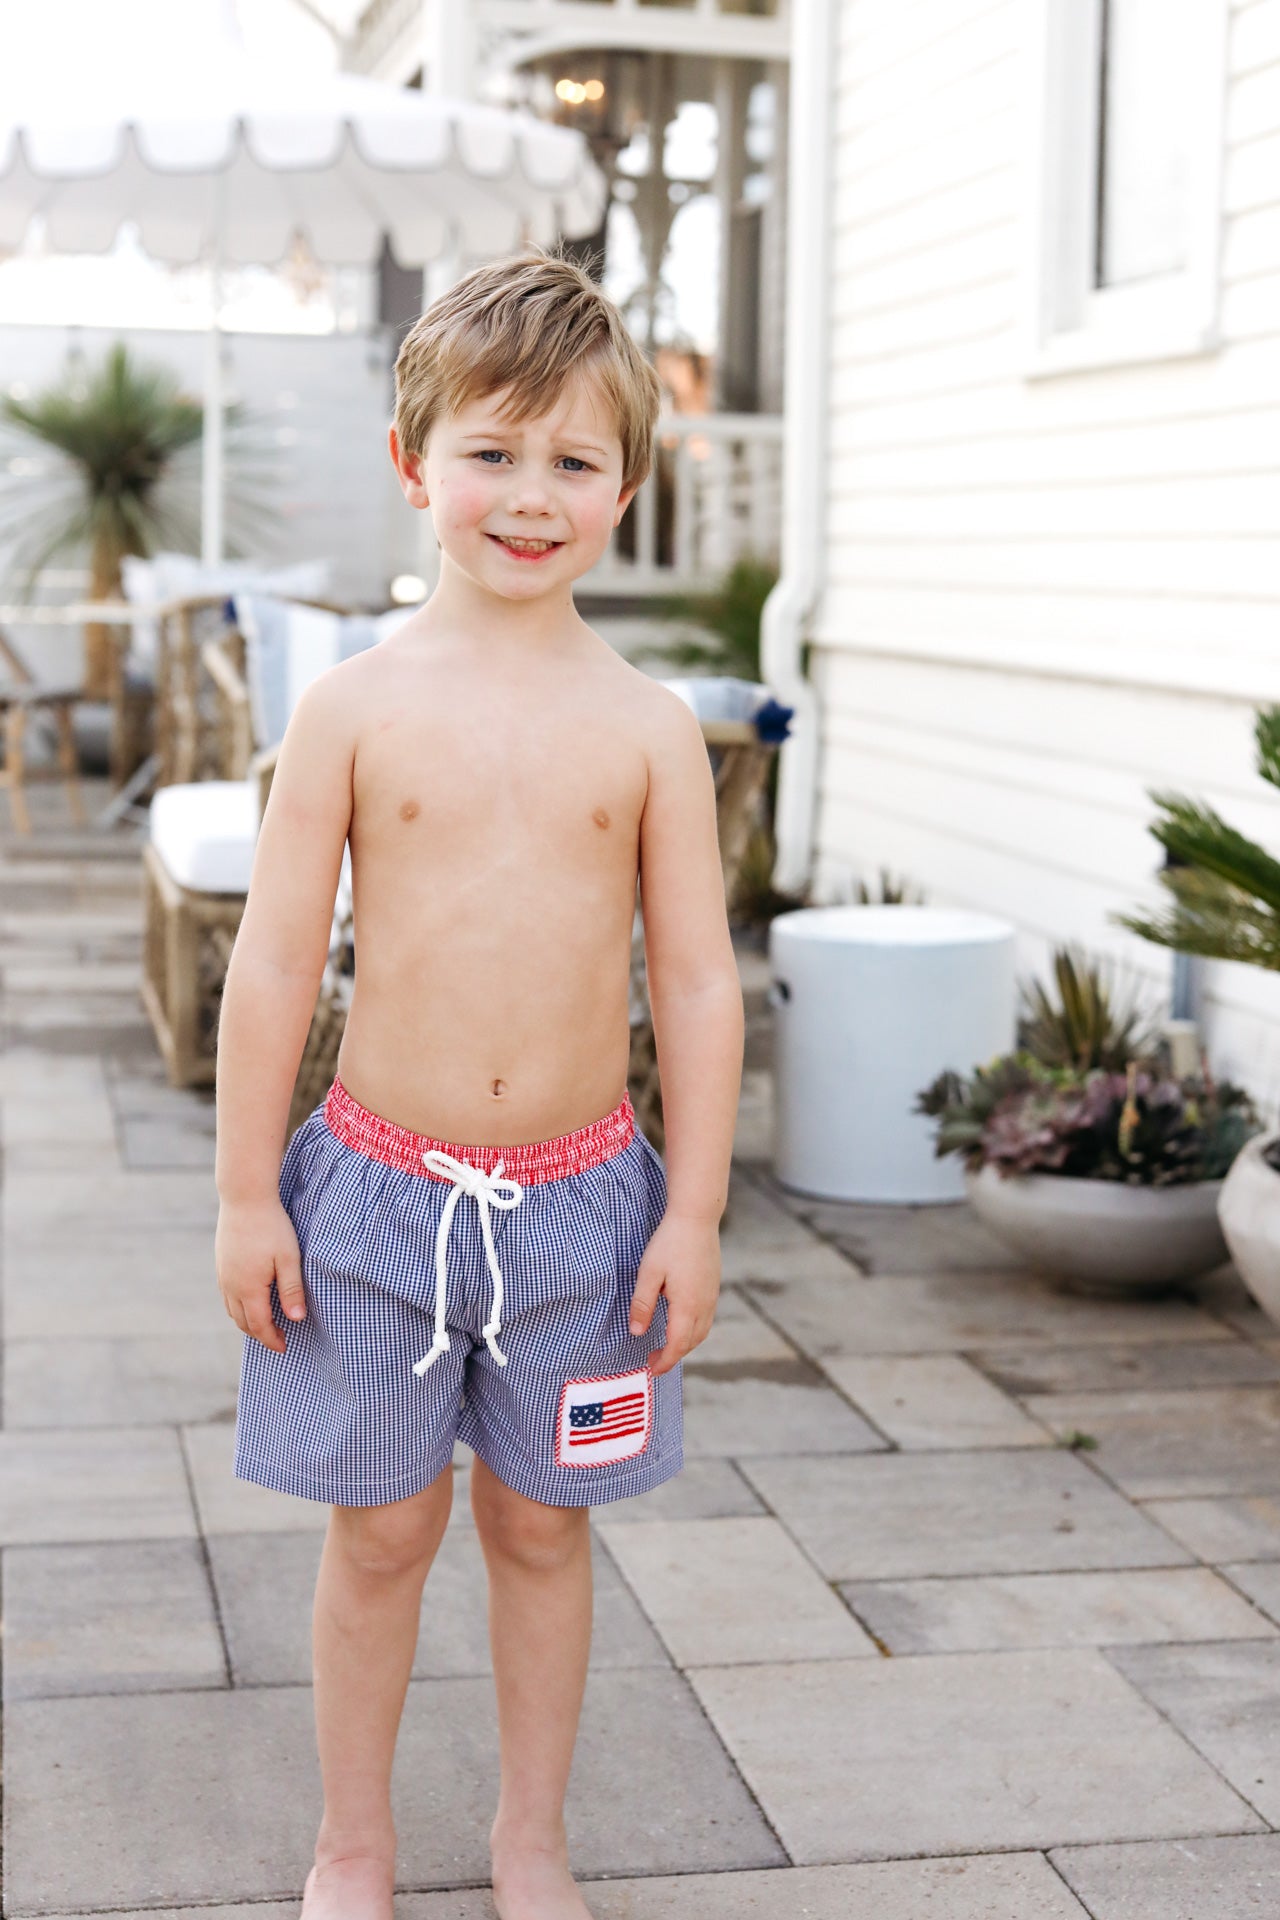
point(1141, 1127)
point(1088, 1095)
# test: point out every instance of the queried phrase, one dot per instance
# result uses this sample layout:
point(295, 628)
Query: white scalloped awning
point(187, 138)
point(150, 111)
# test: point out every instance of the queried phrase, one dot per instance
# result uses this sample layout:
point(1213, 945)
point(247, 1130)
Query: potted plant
point(1224, 902)
point(1083, 1153)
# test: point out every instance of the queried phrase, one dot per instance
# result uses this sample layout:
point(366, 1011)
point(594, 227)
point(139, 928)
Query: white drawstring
point(484, 1187)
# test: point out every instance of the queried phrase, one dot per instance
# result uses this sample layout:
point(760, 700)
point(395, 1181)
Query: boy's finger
point(679, 1341)
point(262, 1326)
point(644, 1300)
point(293, 1299)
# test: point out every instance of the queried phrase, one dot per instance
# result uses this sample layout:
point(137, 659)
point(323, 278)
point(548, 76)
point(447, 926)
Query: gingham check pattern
point(340, 1416)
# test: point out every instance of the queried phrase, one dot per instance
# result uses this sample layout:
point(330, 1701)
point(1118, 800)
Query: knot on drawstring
point(486, 1189)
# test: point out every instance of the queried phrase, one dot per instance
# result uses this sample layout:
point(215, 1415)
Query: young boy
point(469, 1238)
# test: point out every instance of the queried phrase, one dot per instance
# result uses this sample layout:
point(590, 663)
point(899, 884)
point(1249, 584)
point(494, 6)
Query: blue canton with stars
point(589, 1415)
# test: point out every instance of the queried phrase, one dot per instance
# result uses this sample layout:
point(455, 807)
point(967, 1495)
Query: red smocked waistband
point(529, 1162)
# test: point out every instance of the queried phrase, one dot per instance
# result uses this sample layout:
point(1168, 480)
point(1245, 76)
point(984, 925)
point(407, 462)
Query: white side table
point(870, 1005)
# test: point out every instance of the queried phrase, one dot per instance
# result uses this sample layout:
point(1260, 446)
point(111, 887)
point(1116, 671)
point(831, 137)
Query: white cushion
point(205, 833)
point(287, 646)
point(180, 576)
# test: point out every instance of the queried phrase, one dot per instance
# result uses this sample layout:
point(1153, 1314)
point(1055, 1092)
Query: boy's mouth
point(526, 549)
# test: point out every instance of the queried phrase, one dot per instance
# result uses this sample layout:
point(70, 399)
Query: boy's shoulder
point(334, 698)
point(658, 708)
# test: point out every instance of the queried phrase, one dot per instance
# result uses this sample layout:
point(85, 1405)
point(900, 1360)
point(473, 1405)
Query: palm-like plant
point(118, 431)
point(1094, 1022)
point(1225, 888)
point(731, 613)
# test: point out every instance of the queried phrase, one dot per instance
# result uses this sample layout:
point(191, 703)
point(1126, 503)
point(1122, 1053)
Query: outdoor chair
point(181, 606)
point(203, 832)
point(22, 697)
point(196, 867)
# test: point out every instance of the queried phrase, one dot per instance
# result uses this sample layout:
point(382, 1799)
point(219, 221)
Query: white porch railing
point(387, 38)
point(713, 496)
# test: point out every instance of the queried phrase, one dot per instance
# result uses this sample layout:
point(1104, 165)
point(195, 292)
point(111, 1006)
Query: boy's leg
point(539, 1562)
point(365, 1630)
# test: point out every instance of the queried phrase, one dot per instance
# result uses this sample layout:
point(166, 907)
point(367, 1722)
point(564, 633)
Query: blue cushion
point(287, 646)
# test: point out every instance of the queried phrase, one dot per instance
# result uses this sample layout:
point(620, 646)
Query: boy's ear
point(624, 500)
point(409, 471)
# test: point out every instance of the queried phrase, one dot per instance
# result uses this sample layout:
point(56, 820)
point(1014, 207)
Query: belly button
point(600, 817)
point(498, 1089)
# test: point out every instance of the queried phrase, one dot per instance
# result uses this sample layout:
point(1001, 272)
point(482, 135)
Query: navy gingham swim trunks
point(460, 1292)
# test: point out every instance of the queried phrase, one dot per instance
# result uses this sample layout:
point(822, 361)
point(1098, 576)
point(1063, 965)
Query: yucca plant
point(1224, 888)
point(116, 431)
point(1092, 1024)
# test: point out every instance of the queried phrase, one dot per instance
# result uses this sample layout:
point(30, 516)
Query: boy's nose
point(530, 499)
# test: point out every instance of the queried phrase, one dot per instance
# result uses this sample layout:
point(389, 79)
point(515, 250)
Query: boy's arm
point(269, 997)
point(696, 998)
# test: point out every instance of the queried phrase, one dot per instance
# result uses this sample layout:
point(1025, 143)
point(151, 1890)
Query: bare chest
point(500, 794)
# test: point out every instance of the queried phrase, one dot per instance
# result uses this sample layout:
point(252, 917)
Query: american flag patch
point(603, 1420)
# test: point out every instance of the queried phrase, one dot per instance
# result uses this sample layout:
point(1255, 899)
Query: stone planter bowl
point(1100, 1236)
point(1249, 1211)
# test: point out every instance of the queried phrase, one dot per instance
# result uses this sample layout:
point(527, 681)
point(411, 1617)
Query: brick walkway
point(885, 1649)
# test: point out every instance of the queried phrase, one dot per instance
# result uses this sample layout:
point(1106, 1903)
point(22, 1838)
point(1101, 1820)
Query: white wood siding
point(1043, 597)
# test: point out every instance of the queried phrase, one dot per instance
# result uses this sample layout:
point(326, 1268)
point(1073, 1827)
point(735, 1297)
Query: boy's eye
point(484, 452)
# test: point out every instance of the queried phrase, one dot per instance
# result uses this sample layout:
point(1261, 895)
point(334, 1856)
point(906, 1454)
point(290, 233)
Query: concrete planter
point(1100, 1236)
point(1249, 1211)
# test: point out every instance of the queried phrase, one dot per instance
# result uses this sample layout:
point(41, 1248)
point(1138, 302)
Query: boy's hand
point(682, 1260)
point(254, 1245)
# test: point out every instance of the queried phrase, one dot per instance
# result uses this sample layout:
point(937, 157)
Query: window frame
point(1068, 324)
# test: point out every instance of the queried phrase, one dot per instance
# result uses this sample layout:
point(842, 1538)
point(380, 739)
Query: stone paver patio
point(892, 1646)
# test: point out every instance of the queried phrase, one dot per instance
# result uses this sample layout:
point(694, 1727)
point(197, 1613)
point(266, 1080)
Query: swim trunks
point(458, 1292)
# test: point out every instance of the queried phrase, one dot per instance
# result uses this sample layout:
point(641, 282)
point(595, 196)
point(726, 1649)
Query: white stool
point(870, 1005)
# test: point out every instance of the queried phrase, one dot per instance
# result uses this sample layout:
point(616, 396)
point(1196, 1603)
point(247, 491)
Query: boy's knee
point(538, 1538)
point(384, 1542)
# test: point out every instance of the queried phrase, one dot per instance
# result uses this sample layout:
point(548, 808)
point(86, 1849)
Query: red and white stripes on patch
point(605, 1418)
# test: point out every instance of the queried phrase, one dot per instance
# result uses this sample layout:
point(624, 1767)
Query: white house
point(1033, 456)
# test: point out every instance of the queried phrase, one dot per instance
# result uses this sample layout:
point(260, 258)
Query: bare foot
point(354, 1889)
point(534, 1883)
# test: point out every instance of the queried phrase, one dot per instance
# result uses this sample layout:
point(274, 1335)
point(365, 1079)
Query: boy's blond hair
point(531, 323)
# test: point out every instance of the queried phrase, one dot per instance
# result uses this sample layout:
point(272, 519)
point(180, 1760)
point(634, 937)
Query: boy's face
point(554, 482)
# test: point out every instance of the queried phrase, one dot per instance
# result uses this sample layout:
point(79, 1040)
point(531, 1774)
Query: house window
point(1146, 112)
point(1127, 131)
